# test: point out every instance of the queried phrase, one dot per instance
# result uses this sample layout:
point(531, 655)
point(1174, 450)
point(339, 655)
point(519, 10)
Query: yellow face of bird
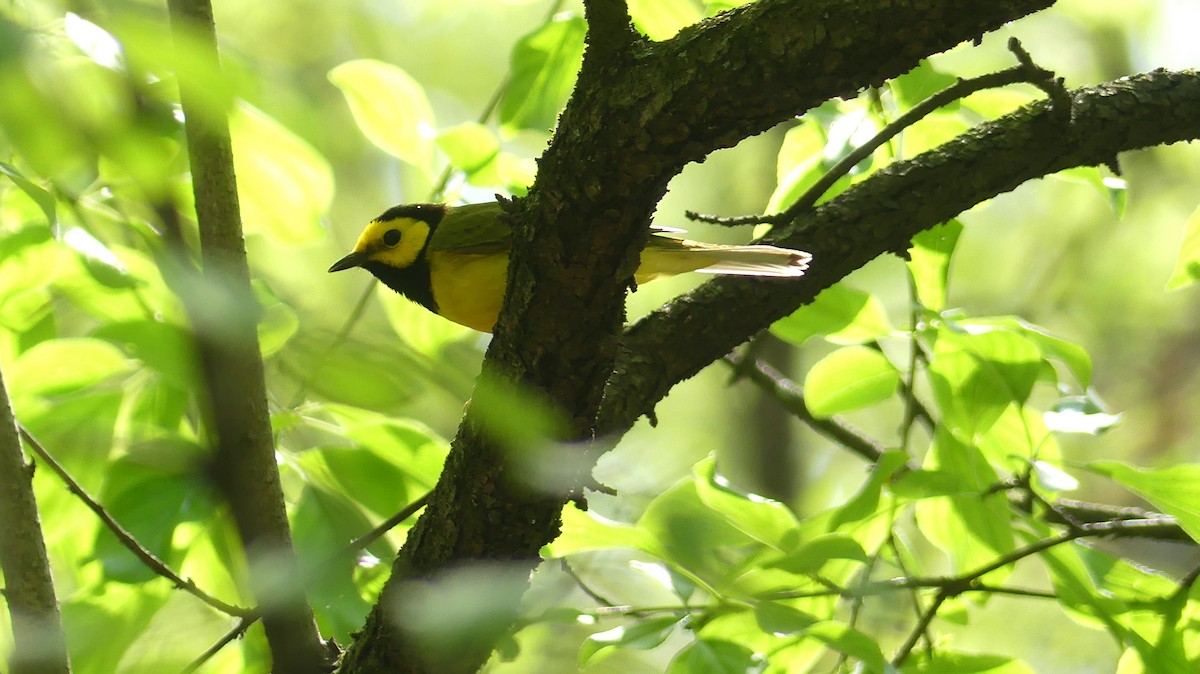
point(395, 242)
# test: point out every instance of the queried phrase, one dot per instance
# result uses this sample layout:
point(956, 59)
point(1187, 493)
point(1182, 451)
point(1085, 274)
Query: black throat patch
point(412, 281)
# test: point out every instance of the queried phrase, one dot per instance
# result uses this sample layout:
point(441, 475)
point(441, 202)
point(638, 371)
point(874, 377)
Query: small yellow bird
point(453, 260)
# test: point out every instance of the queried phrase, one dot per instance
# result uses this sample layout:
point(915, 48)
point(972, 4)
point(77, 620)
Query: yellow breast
point(468, 289)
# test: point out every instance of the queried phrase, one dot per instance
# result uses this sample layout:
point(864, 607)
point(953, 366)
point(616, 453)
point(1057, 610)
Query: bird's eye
point(391, 237)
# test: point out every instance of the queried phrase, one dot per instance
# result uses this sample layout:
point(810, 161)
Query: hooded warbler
point(453, 260)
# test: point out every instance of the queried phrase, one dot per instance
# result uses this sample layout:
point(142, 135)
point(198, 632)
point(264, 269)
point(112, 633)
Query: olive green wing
point(472, 229)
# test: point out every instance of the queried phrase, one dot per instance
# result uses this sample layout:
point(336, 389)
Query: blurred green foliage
point(454, 100)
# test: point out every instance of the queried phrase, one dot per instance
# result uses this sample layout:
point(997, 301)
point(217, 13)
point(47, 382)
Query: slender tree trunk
point(224, 315)
point(39, 646)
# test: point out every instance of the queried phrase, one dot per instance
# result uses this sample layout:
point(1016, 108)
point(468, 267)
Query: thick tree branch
point(221, 306)
point(39, 646)
point(880, 215)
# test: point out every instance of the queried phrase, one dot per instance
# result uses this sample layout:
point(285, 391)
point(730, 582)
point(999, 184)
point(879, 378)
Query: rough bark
point(39, 646)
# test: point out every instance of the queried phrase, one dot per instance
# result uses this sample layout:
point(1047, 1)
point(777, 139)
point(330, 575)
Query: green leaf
point(714, 656)
point(865, 503)
point(780, 619)
point(929, 263)
point(391, 109)
point(848, 379)
point(469, 146)
point(798, 165)
point(841, 314)
point(426, 332)
point(976, 376)
point(1052, 347)
point(164, 347)
point(1080, 414)
point(41, 197)
point(949, 662)
point(1124, 580)
point(762, 519)
point(971, 528)
point(920, 83)
point(403, 443)
point(690, 535)
point(543, 70)
point(1114, 189)
point(65, 365)
point(641, 635)
point(100, 262)
point(1187, 266)
point(584, 531)
point(812, 554)
point(662, 19)
point(149, 503)
point(1174, 490)
point(276, 327)
point(285, 186)
point(849, 641)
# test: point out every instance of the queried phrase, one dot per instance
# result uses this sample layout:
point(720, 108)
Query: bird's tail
point(666, 257)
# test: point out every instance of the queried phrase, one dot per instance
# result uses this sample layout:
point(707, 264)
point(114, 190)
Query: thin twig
point(788, 394)
point(585, 588)
point(124, 537)
point(237, 632)
point(386, 525)
point(921, 628)
point(1026, 72)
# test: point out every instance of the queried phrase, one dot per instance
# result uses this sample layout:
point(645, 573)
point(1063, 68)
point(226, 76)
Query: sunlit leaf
point(41, 197)
point(849, 641)
point(848, 379)
point(641, 635)
point(662, 19)
point(778, 618)
point(712, 656)
point(391, 109)
point(949, 662)
point(972, 528)
point(164, 347)
point(543, 70)
point(277, 325)
point(812, 554)
point(1174, 490)
point(1080, 414)
point(469, 146)
point(841, 314)
point(689, 534)
point(582, 531)
point(1187, 266)
point(976, 376)
point(149, 503)
point(929, 262)
point(797, 166)
point(760, 518)
point(284, 185)
point(865, 503)
point(420, 328)
point(64, 365)
point(1073, 356)
point(920, 83)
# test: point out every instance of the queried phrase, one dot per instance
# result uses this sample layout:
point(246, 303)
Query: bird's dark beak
point(354, 259)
